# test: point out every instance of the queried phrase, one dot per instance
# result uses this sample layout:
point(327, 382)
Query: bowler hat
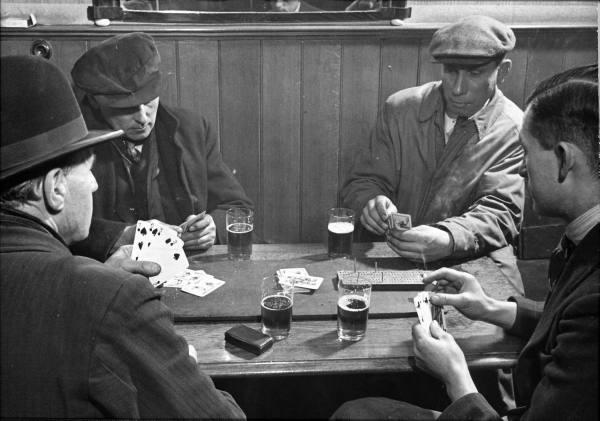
point(473, 40)
point(41, 119)
point(121, 71)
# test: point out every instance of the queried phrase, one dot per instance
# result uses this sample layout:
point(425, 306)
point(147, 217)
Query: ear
point(566, 159)
point(55, 190)
point(503, 70)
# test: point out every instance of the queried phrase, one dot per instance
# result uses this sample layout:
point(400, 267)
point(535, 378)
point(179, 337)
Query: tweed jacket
point(83, 340)
point(186, 175)
point(474, 191)
point(556, 377)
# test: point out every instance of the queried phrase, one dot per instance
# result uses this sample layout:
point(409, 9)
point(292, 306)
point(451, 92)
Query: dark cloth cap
point(41, 119)
point(473, 40)
point(121, 71)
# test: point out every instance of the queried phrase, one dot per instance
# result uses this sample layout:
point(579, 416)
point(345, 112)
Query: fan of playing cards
point(427, 312)
point(159, 243)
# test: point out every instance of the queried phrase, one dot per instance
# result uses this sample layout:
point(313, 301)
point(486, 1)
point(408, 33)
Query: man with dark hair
point(80, 339)
point(167, 166)
point(556, 377)
point(447, 153)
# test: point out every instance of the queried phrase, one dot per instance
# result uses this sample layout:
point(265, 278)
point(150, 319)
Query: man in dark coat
point(80, 339)
point(556, 377)
point(167, 166)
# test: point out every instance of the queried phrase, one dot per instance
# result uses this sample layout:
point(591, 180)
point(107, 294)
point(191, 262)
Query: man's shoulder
point(182, 115)
point(509, 110)
point(102, 279)
point(414, 95)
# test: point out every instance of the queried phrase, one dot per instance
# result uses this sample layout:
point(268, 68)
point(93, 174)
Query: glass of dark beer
point(354, 299)
point(340, 230)
point(277, 300)
point(240, 224)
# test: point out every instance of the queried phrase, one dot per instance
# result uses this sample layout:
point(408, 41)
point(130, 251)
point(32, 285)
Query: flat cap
point(122, 71)
point(473, 40)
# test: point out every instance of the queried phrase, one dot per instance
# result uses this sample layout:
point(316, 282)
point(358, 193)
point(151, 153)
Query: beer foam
point(239, 227)
point(341, 227)
point(345, 301)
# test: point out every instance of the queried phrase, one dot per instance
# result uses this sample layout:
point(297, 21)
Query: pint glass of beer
point(276, 307)
point(240, 224)
point(340, 230)
point(354, 299)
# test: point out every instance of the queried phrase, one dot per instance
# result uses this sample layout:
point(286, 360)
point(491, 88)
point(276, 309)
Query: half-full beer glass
point(240, 224)
point(340, 230)
point(354, 300)
point(277, 300)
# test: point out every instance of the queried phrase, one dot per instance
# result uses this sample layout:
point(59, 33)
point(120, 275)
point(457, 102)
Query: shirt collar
point(433, 103)
point(580, 226)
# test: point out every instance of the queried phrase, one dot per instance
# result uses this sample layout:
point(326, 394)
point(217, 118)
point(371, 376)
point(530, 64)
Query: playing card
point(308, 282)
point(427, 312)
point(399, 221)
point(203, 286)
point(291, 272)
point(158, 243)
point(300, 278)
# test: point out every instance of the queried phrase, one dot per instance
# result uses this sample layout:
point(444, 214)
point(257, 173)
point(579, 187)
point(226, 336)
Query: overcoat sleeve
point(140, 367)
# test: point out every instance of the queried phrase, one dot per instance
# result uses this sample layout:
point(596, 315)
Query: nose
point(459, 86)
point(94, 184)
point(141, 115)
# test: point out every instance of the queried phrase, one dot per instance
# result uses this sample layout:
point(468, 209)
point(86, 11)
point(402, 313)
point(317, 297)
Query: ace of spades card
point(158, 243)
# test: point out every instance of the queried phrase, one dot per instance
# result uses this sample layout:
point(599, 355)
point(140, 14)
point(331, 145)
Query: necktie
point(464, 129)
point(559, 259)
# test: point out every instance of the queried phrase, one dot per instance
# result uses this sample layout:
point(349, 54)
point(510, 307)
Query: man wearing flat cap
point(80, 339)
point(447, 154)
point(167, 166)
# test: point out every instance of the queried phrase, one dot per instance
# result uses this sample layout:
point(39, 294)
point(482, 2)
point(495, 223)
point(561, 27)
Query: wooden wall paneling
point(13, 47)
point(428, 69)
point(514, 83)
point(199, 79)
point(280, 152)
point(239, 112)
point(321, 67)
point(360, 98)
point(169, 92)
point(581, 49)
point(399, 65)
point(67, 52)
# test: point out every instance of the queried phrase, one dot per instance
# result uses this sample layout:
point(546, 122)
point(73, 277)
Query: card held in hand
point(399, 221)
point(427, 312)
point(159, 243)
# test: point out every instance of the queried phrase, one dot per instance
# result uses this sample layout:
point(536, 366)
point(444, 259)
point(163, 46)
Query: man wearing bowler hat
point(80, 339)
point(447, 154)
point(167, 166)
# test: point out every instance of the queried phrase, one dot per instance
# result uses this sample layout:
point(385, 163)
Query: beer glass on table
point(354, 299)
point(340, 230)
point(240, 224)
point(277, 300)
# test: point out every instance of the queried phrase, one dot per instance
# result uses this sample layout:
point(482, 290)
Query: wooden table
point(312, 347)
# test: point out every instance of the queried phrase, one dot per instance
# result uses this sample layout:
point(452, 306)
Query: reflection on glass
point(286, 6)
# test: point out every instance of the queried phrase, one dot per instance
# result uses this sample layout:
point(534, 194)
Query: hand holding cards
point(159, 243)
point(399, 221)
point(427, 312)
